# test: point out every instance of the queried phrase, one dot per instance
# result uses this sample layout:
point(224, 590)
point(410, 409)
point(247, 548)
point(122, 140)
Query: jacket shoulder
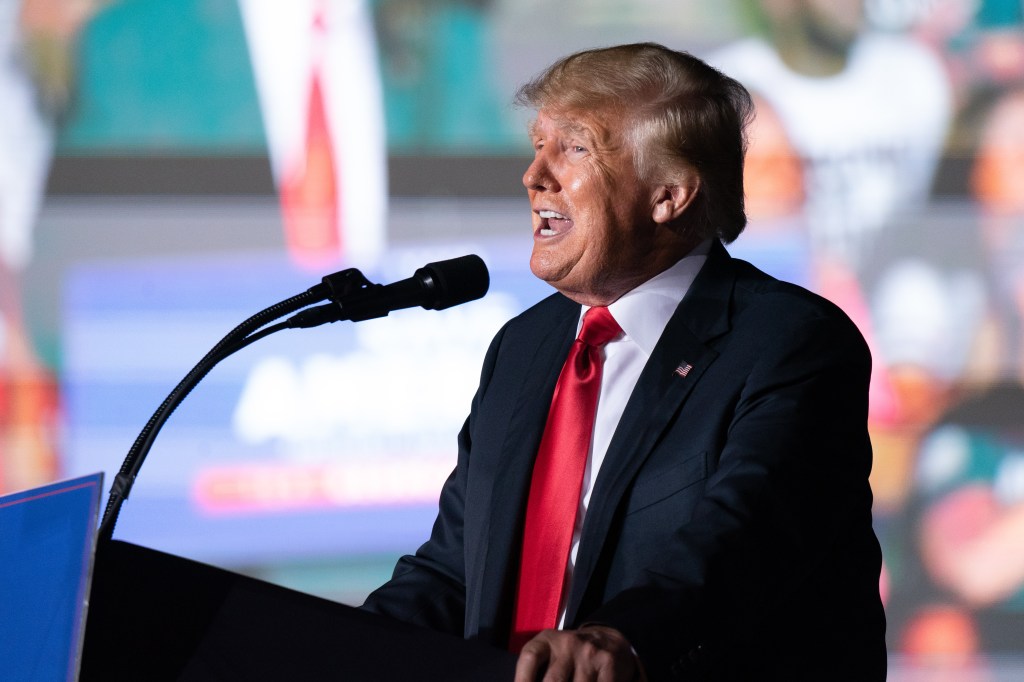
point(780, 299)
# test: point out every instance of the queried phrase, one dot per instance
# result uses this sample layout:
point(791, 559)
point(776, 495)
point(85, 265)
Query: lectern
point(155, 616)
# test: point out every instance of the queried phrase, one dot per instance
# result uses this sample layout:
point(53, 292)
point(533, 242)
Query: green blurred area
point(175, 77)
point(167, 76)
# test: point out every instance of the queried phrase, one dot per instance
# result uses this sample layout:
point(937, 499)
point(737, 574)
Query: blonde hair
point(680, 113)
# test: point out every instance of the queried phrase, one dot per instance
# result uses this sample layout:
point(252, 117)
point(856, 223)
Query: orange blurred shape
point(29, 404)
point(773, 173)
point(940, 633)
point(998, 175)
point(309, 193)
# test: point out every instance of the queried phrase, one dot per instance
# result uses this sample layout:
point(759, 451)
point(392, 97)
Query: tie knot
point(599, 327)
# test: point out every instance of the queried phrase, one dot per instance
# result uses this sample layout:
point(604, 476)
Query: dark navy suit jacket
point(729, 531)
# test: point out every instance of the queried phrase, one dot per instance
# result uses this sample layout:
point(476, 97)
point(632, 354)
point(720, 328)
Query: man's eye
point(578, 149)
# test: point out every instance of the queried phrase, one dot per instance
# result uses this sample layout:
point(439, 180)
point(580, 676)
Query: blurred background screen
point(169, 169)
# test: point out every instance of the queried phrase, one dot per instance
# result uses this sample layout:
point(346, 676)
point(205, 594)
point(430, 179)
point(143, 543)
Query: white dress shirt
point(643, 314)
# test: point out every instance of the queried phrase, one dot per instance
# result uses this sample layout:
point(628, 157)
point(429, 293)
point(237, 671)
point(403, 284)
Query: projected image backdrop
point(169, 169)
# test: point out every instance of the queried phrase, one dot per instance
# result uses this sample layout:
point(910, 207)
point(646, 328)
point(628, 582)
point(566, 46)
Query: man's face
point(594, 235)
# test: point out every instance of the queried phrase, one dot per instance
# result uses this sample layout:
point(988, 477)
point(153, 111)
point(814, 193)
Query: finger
point(573, 658)
point(534, 656)
point(613, 668)
point(607, 654)
point(563, 668)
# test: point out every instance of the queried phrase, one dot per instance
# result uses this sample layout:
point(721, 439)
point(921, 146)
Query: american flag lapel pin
point(683, 369)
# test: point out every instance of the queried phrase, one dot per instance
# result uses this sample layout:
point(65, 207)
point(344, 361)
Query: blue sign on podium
point(47, 543)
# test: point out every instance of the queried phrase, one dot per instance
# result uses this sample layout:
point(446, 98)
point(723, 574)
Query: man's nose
point(538, 176)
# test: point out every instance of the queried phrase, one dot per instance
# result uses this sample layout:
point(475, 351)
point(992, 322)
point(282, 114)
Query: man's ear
point(672, 200)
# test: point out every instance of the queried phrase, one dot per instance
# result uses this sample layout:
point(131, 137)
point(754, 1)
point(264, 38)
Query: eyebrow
point(567, 126)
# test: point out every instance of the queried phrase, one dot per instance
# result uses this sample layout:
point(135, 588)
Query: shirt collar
point(644, 312)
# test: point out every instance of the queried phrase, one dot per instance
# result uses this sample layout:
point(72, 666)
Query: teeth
point(547, 232)
point(551, 214)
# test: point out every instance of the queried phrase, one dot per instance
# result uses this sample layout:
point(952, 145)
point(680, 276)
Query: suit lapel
point(511, 482)
point(674, 368)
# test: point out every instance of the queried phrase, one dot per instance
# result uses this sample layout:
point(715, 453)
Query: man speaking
point(664, 474)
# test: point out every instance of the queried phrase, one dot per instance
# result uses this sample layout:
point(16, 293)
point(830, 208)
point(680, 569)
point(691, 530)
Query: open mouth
point(552, 223)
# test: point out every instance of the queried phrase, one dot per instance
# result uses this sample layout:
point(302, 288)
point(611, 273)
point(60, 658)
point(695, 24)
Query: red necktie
point(557, 480)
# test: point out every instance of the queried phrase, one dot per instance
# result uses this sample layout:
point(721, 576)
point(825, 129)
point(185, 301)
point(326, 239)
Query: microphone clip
point(345, 283)
point(337, 287)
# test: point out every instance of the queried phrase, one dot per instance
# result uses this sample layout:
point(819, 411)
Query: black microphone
point(435, 286)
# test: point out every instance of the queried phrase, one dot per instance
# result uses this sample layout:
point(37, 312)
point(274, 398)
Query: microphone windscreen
point(455, 281)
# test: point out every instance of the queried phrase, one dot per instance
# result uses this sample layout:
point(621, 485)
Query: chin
point(543, 269)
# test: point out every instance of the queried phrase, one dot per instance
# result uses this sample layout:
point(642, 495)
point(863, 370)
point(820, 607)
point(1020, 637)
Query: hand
point(593, 652)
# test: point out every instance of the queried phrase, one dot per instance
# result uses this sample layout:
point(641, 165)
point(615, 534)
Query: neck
point(606, 293)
